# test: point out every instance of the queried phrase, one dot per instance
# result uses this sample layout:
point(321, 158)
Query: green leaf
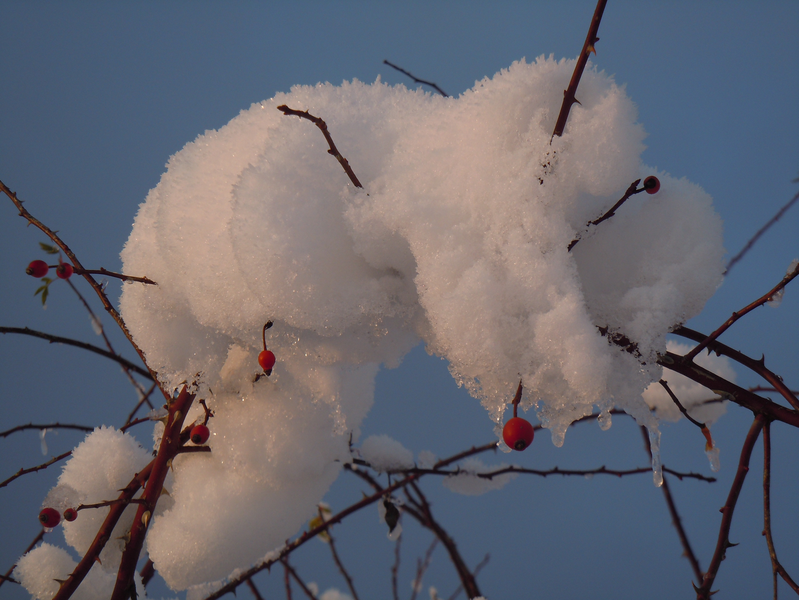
point(48, 248)
point(44, 295)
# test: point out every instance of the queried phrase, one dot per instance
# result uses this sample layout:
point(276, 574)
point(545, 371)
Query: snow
point(385, 454)
point(702, 404)
point(458, 240)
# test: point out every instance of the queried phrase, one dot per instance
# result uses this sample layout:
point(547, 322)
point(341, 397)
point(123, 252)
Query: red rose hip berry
point(37, 268)
point(200, 434)
point(64, 271)
point(518, 433)
point(267, 360)
point(652, 185)
point(49, 517)
point(70, 514)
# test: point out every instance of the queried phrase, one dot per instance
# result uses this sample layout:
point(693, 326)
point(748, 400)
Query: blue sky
point(97, 96)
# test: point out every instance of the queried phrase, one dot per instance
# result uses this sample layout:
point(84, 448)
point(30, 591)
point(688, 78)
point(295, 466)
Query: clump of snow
point(459, 240)
point(426, 459)
point(468, 482)
point(39, 570)
point(334, 594)
point(702, 404)
point(385, 454)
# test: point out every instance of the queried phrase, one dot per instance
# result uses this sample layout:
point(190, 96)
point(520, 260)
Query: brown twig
point(676, 401)
point(136, 408)
point(147, 572)
point(703, 592)
point(7, 576)
point(23, 212)
point(675, 516)
point(588, 47)
point(760, 232)
point(758, 366)
point(419, 508)
point(298, 579)
point(421, 568)
point(22, 472)
point(477, 570)
point(254, 590)
point(96, 323)
point(631, 191)
point(332, 543)
point(171, 441)
point(767, 297)
point(416, 79)
point(776, 567)
point(106, 272)
point(721, 386)
point(50, 426)
point(56, 339)
point(286, 578)
point(304, 114)
point(75, 578)
point(395, 568)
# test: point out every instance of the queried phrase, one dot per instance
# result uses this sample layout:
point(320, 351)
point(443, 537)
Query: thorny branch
point(421, 568)
point(304, 114)
point(703, 592)
point(23, 212)
point(416, 79)
point(758, 366)
point(332, 543)
point(56, 339)
point(767, 297)
point(290, 570)
point(588, 47)
point(776, 567)
point(675, 516)
point(49, 426)
point(631, 191)
point(7, 576)
point(22, 472)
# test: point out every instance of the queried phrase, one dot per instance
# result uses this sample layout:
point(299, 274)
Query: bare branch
point(56, 339)
point(332, 543)
point(767, 297)
point(98, 289)
point(723, 543)
point(297, 578)
point(631, 191)
point(588, 47)
point(760, 232)
point(776, 567)
point(22, 472)
point(758, 366)
point(421, 568)
point(304, 114)
point(107, 273)
point(254, 590)
point(675, 516)
point(7, 576)
point(416, 79)
point(49, 426)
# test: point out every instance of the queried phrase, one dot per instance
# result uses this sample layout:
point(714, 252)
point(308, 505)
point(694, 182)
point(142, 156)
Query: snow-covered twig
point(171, 442)
point(631, 191)
point(588, 48)
point(776, 566)
point(304, 114)
point(703, 592)
point(416, 79)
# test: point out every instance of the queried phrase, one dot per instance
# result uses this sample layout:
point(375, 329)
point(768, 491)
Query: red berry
point(38, 268)
point(267, 360)
point(518, 433)
point(199, 434)
point(49, 517)
point(652, 185)
point(70, 514)
point(64, 271)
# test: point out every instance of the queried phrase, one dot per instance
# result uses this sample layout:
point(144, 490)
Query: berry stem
point(267, 325)
point(516, 399)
